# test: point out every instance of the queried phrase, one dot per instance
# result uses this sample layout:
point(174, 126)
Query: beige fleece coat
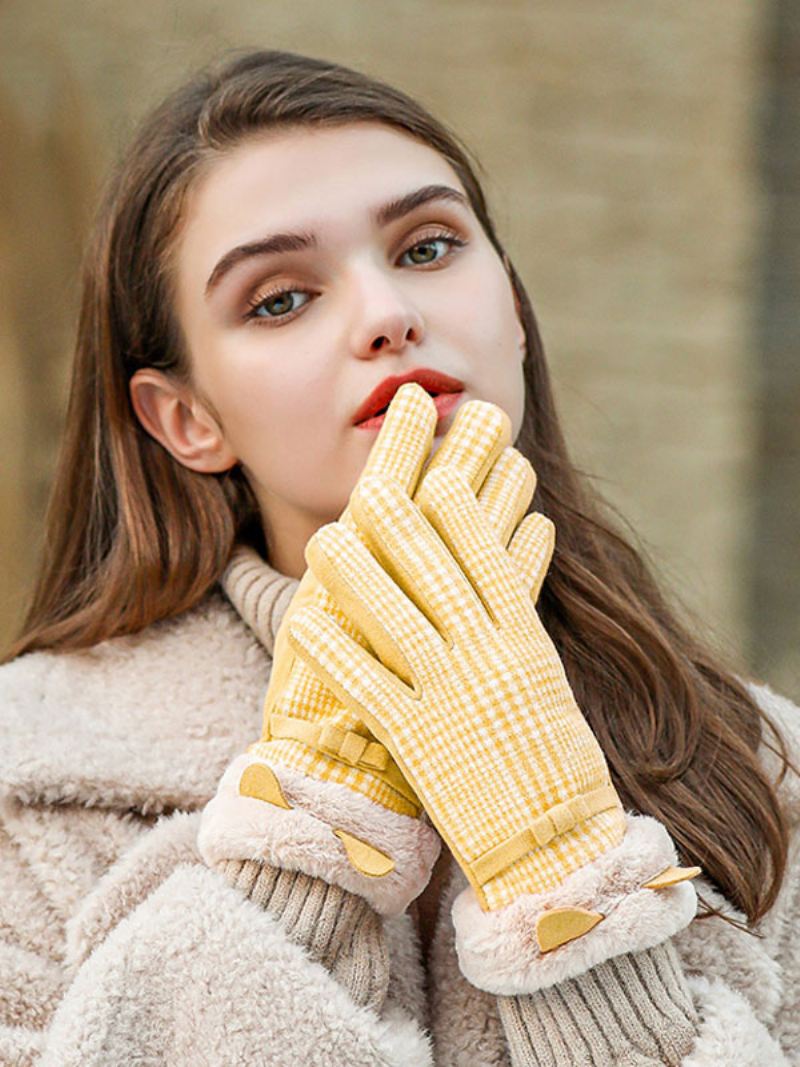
point(119, 946)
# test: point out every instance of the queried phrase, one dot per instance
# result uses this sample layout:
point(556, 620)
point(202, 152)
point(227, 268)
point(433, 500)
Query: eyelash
point(450, 238)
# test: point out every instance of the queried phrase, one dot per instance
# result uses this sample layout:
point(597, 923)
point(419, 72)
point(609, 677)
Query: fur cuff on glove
point(498, 951)
point(302, 838)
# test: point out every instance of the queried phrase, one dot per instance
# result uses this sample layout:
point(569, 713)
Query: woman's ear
point(173, 415)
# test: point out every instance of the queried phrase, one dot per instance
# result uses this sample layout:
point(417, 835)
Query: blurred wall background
point(642, 162)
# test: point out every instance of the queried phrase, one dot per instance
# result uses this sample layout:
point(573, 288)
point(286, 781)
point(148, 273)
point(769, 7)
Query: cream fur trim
point(498, 950)
point(302, 839)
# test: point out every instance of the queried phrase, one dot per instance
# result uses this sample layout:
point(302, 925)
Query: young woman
point(282, 236)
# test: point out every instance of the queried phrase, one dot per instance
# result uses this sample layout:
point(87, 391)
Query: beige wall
point(619, 144)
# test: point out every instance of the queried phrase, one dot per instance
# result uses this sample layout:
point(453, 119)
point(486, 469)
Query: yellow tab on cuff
point(671, 876)
point(260, 782)
point(365, 858)
point(559, 925)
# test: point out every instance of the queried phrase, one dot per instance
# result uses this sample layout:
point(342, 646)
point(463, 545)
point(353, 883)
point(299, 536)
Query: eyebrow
point(295, 242)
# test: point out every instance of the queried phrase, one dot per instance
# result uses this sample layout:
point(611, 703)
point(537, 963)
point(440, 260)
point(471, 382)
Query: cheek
point(484, 313)
point(261, 396)
point(490, 334)
point(485, 309)
point(284, 432)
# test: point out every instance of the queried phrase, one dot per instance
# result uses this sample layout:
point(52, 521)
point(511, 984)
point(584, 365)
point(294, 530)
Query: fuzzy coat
point(119, 945)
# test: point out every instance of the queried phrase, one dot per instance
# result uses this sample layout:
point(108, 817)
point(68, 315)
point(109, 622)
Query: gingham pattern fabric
point(480, 717)
point(306, 727)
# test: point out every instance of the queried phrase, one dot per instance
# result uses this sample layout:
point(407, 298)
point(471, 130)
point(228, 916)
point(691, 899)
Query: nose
point(386, 319)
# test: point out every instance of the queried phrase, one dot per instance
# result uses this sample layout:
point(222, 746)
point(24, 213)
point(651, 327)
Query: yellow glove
point(465, 689)
point(305, 726)
point(318, 792)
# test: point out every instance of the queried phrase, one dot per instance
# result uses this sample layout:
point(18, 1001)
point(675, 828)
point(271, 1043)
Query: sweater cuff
point(634, 1009)
point(338, 929)
point(630, 898)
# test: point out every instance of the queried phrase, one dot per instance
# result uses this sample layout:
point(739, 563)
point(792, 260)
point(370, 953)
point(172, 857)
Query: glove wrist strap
point(349, 747)
point(559, 819)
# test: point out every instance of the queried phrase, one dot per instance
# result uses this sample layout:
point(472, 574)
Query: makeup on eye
point(262, 299)
point(447, 237)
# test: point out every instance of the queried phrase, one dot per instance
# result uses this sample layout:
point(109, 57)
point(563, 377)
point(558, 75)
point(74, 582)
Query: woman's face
point(286, 345)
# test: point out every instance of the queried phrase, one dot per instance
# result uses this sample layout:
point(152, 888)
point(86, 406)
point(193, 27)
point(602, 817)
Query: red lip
point(430, 380)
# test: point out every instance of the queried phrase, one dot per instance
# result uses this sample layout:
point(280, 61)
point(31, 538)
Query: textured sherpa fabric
point(118, 945)
point(149, 721)
point(263, 992)
point(730, 1033)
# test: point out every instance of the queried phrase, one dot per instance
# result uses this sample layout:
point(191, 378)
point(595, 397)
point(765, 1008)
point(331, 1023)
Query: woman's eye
point(428, 246)
point(276, 305)
point(280, 305)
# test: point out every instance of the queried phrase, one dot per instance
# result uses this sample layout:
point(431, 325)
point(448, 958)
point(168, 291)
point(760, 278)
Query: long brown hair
point(132, 536)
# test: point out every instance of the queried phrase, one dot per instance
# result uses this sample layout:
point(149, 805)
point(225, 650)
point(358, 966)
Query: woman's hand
point(318, 792)
point(464, 686)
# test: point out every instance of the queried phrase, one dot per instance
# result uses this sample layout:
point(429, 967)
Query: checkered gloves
point(461, 682)
point(413, 682)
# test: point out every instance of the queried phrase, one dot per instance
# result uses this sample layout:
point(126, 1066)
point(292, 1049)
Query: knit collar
point(259, 593)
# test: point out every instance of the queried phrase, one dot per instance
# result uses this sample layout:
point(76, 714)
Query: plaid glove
point(317, 761)
point(464, 687)
point(426, 605)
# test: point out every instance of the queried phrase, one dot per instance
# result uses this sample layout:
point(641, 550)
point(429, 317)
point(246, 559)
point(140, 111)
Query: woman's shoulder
point(104, 725)
point(212, 624)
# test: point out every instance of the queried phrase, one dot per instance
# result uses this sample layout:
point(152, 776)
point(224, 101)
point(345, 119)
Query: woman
point(218, 421)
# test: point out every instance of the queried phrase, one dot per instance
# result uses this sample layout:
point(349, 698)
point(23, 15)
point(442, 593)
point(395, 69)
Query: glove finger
point(507, 492)
point(479, 433)
point(372, 603)
point(407, 547)
point(452, 509)
point(532, 549)
point(357, 679)
point(405, 438)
